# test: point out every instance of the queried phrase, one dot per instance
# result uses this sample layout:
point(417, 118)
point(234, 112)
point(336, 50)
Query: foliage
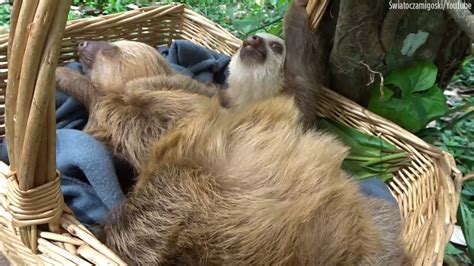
point(93, 8)
point(410, 97)
point(239, 17)
point(5, 10)
point(243, 17)
point(455, 135)
point(465, 77)
point(370, 156)
point(454, 256)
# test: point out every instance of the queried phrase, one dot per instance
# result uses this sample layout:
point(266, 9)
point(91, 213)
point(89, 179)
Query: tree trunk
point(367, 35)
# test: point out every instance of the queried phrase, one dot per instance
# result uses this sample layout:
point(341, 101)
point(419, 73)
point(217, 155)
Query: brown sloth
point(249, 185)
point(250, 188)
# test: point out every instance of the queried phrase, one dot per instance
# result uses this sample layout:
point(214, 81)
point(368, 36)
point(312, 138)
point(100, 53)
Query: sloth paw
point(67, 78)
point(62, 76)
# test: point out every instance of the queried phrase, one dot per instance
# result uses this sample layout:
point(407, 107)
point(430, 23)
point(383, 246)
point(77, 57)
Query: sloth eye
point(276, 47)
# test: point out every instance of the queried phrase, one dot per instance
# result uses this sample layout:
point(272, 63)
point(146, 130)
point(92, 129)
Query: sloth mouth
point(85, 60)
point(253, 54)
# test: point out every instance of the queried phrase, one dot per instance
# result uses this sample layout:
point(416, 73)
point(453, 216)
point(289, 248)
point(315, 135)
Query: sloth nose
point(82, 45)
point(254, 41)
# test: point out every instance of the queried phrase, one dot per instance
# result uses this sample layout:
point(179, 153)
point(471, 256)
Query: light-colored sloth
point(246, 185)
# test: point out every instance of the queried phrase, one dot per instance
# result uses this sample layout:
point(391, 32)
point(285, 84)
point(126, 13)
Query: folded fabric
point(375, 188)
point(196, 61)
point(89, 184)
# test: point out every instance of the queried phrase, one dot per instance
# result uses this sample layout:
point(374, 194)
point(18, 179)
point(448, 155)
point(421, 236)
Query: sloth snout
point(253, 49)
point(254, 41)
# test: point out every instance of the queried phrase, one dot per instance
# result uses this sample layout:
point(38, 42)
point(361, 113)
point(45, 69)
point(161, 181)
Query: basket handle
point(33, 51)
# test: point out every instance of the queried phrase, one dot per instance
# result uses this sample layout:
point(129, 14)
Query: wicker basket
point(35, 225)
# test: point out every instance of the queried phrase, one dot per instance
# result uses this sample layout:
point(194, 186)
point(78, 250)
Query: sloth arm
point(302, 66)
point(77, 85)
point(174, 82)
point(301, 41)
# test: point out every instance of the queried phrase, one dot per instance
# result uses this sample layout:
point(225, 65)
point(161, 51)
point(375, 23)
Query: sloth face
point(257, 48)
point(88, 51)
point(112, 64)
point(256, 70)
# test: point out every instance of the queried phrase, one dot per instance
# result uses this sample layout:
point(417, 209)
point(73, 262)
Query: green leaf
point(247, 24)
point(418, 104)
point(369, 155)
point(349, 140)
point(468, 189)
point(413, 79)
point(356, 170)
point(275, 29)
point(365, 139)
point(433, 102)
point(402, 112)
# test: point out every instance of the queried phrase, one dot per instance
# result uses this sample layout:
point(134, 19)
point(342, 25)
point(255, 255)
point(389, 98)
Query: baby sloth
point(237, 186)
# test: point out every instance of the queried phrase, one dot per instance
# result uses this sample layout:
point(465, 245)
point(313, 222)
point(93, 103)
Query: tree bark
point(366, 36)
point(464, 18)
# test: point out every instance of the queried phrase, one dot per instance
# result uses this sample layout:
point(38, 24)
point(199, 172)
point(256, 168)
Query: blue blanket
point(196, 61)
point(376, 188)
point(89, 183)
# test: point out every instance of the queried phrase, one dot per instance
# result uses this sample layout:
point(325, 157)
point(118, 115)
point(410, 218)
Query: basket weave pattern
point(427, 191)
